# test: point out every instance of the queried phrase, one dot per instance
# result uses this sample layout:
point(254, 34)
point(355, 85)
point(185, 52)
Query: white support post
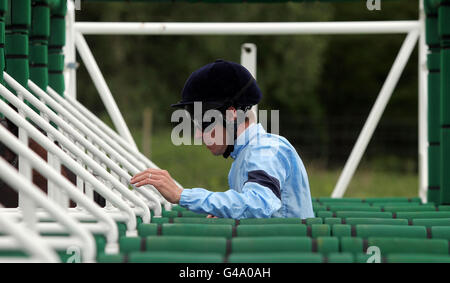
point(375, 114)
point(248, 60)
point(70, 55)
point(423, 109)
point(102, 88)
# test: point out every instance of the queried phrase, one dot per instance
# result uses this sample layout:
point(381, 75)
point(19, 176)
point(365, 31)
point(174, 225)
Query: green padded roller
point(39, 75)
point(417, 258)
point(326, 245)
point(320, 230)
point(178, 208)
point(130, 244)
point(18, 69)
point(2, 33)
point(409, 204)
point(342, 230)
point(440, 232)
point(424, 214)
point(445, 131)
point(187, 244)
point(352, 245)
point(340, 258)
point(332, 220)
point(58, 32)
point(198, 220)
point(398, 231)
point(324, 214)
point(271, 244)
point(110, 258)
point(100, 242)
point(359, 204)
point(429, 222)
point(147, 229)
point(271, 230)
point(3, 5)
point(160, 220)
point(353, 208)
point(192, 214)
point(122, 228)
point(363, 214)
point(337, 200)
point(174, 257)
point(444, 207)
point(275, 258)
point(404, 208)
point(40, 22)
point(311, 221)
point(393, 199)
point(362, 258)
point(169, 214)
point(376, 221)
point(247, 221)
point(55, 62)
point(405, 245)
point(56, 81)
point(16, 44)
point(39, 54)
point(19, 13)
point(212, 230)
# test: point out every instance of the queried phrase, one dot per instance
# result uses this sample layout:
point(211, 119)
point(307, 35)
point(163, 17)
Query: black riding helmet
point(220, 85)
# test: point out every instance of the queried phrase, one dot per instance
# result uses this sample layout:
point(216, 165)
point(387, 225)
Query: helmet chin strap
point(230, 133)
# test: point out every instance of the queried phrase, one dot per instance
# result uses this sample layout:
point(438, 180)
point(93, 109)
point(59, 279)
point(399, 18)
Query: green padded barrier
point(192, 214)
point(3, 5)
point(212, 230)
point(431, 34)
point(38, 54)
point(376, 221)
point(58, 7)
point(444, 208)
point(408, 204)
point(363, 214)
point(326, 245)
point(434, 79)
point(174, 257)
point(160, 220)
point(340, 258)
point(362, 258)
point(324, 214)
point(271, 230)
point(55, 62)
point(410, 208)
point(147, 229)
point(39, 75)
point(18, 68)
point(405, 245)
point(359, 204)
point(352, 245)
point(393, 199)
point(178, 208)
point(271, 244)
point(122, 228)
point(198, 220)
point(398, 231)
point(440, 232)
point(2, 32)
point(332, 220)
point(40, 22)
point(353, 208)
point(311, 221)
point(429, 222)
point(58, 32)
point(16, 44)
point(130, 244)
point(19, 13)
point(320, 230)
point(247, 221)
point(424, 214)
point(417, 258)
point(444, 20)
point(187, 244)
point(341, 230)
point(100, 242)
point(434, 180)
point(445, 139)
point(110, 258)
point(13, 253)
point(337, 200)
point(169, 214)
point(275, 258)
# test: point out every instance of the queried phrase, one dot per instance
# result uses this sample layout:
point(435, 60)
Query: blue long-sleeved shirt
point(267, 179)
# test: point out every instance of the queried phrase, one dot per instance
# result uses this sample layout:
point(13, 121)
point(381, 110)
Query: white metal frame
point(414, 29)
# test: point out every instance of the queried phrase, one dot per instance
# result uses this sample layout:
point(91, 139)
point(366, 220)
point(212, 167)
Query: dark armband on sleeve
point(261, 177)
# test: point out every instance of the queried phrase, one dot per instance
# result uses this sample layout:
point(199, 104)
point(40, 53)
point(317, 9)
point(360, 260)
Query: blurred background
point(324, 87)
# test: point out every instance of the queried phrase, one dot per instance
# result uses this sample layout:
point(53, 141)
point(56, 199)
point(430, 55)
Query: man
point(267, 177)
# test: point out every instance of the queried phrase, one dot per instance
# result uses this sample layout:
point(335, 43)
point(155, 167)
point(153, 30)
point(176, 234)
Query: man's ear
point(231, 114)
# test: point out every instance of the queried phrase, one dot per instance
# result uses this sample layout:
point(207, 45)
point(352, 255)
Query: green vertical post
point(444, 34)
point(434, 76)
point(39, 35)
point(56, 44)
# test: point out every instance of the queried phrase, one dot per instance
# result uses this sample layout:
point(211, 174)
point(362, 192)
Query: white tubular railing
point(30, 242)
point(108, 225)
point(103, 158)
point(97, 168)
point(65, 159)
point(16, 181)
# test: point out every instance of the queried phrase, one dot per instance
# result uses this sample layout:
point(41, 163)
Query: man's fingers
point(146, 173)
point(149, 181)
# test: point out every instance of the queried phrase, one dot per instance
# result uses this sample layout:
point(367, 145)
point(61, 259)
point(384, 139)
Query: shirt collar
point(244, 138)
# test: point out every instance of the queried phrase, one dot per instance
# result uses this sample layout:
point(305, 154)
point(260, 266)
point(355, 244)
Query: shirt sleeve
point(260, 196)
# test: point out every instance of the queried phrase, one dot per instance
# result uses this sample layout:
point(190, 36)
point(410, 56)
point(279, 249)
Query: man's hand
point(161, 180)
point(211, 216)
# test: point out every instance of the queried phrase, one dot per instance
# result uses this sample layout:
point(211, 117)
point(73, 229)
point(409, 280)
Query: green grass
point(195, 166)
